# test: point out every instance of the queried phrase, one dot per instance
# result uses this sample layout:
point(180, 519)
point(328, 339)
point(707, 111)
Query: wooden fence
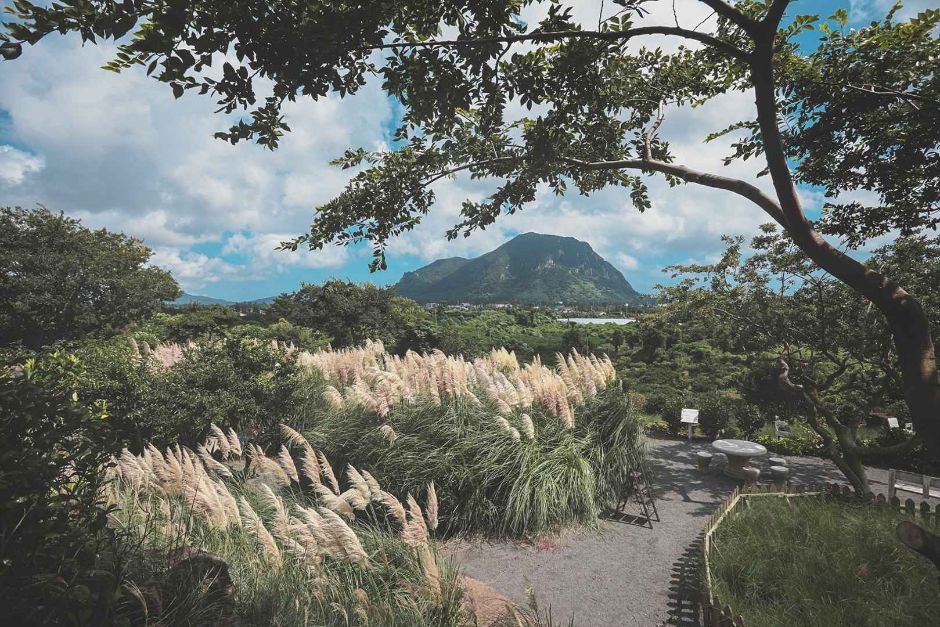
point(716, 614)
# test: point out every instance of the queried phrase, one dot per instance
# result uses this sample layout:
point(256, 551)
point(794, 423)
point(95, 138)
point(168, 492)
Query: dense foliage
point(60, 280)
point(349, 314)
point(815, 348)
point(59, 562)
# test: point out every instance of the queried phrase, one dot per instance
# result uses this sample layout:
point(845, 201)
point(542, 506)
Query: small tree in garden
point(829, 353)
point(861, 112)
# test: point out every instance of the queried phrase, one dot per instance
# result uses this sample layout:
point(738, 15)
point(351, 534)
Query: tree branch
point(737, 186)
point(467, 166)
point(648, 135)
point(731, 14)
point(775, 14)
point(874, 452)
point(623, 35)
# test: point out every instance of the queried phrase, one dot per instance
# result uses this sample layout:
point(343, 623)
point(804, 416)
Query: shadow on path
point(685, 588)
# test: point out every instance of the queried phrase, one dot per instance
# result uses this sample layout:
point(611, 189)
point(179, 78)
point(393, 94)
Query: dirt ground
point(623, 574)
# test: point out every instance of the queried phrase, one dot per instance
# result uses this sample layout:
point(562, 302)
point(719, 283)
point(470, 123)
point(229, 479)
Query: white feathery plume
point(345, 543)
point(281, 527)
point(220, 441)
point(327, 471)
point(395, 509)
point(235, 445)
point(268, 469)
point(286, 462)
point(310, 467)
point(431, 572)
point(358, 482)
point(295, 437)
point(355, 499)
point(389, 433)
point(431, 508)
point(374, 487)
point(415, 533)
point(252, 522)
point(333, 397)
point(333, 502)
point(212, 464)
point(528, 427)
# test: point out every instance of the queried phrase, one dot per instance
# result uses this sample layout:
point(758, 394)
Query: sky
point(118, 151)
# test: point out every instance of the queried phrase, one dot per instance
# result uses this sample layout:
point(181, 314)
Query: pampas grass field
point(330, 515)
point(513, 450)
point(304, 544)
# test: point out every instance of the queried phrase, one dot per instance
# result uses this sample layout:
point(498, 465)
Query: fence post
point(891, 488)
point(925, 481)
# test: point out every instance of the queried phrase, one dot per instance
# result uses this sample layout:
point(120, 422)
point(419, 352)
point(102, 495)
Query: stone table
point(739, 453)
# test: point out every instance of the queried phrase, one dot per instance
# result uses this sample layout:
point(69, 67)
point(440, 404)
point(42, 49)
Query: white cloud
point(627, 262)
point(16, 165)
point(877, 9)
point(120, 151)
point(194, 271)
point(262, 249)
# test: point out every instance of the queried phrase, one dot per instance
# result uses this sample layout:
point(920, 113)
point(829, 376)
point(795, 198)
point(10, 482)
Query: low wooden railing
point(718, 614)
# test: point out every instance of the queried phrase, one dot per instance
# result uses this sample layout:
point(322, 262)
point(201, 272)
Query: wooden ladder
point(640, 492)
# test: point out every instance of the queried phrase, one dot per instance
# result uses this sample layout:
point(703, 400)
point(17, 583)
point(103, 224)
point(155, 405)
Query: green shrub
point(59, 563)
point(715, 412)
point(671, 413)
point(747, 418)
point(239, 383)
point(803, 446)
point(655, 403)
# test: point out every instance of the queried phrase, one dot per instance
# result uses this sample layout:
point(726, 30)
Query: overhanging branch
point(624, 35)
point(737, 186)
point(731, 14)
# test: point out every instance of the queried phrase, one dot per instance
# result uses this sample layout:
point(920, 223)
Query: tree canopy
point(60, 280)
point(350, 314)
point(801, 327)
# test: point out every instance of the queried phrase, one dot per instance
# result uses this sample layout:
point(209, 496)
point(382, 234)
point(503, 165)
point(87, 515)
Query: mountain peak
point(531, 268)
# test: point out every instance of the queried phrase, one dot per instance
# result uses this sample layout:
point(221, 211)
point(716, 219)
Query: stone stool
point(751, 474)
point(704, 459)
point(776, 461)
point(779, 474)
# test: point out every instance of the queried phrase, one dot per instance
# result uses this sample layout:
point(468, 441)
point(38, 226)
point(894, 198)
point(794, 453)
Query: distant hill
point(531, 269)
point(196, 299)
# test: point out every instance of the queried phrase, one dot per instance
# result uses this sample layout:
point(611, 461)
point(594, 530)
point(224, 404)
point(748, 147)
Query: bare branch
point(623, 35)
point(731, 14)
point(648, 135)
point(737, 186)
point(775, 14)
point(467, 166)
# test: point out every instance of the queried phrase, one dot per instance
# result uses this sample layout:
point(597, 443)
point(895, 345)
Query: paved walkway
point(623, 575)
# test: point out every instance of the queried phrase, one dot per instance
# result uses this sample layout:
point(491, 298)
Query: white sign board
point(689, 416)
point(893, 423)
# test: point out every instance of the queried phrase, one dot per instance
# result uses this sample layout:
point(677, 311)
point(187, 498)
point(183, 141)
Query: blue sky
point(120, 152)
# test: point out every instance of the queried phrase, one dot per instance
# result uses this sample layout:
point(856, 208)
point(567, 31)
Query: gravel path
point(622, 574)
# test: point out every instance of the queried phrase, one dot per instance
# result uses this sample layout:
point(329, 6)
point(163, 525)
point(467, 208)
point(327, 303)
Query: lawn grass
point(811, 563)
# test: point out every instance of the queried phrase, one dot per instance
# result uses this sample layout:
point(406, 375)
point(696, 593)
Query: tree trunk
point(909, 326)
